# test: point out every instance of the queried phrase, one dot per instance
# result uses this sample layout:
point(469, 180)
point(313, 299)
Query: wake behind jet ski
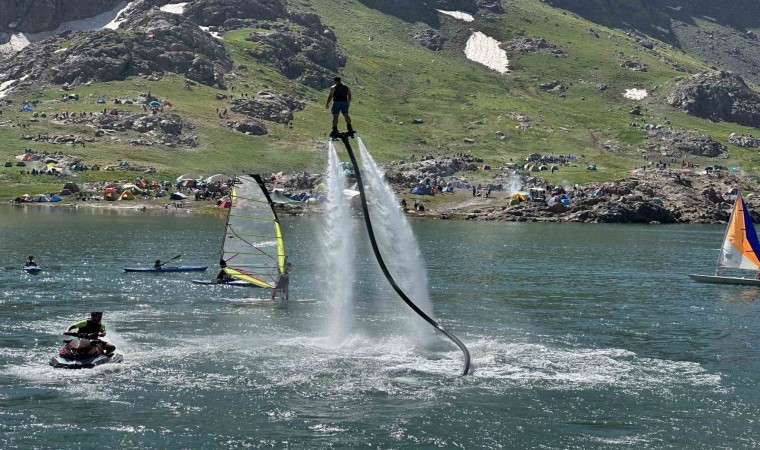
point(83, 351)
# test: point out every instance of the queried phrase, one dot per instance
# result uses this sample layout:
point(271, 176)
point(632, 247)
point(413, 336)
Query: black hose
point(466, 369)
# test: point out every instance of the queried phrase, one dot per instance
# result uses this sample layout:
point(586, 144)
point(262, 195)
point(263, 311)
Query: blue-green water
point(582, 336)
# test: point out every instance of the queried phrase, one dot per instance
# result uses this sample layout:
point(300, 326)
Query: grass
point(395, 80)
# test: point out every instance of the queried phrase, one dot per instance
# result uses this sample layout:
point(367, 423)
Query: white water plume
point(338, 253)
point(397, 242)
point(514, 183)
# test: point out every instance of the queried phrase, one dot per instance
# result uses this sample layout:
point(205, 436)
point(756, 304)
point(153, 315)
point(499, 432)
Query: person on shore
point(283, 283)
point(94, 326)
point(340, 96)
point(30, 262)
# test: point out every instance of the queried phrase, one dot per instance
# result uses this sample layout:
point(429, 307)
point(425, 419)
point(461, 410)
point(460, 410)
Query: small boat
point(167, 269)
point(253, 250)
point(740, 250)
point(32, 269)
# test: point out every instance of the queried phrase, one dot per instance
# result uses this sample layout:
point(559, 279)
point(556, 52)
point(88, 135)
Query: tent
point(109, 194)
point(189, 176)
point(221, 178)
point(64, 192)
point(71, 187)
point(154, 103)
point(127, 195)
point(55, 198)
point(101, 100)
point(131, 188)
point(520, 196)
point(27, 108)
point(41, 198)
point(178, 196)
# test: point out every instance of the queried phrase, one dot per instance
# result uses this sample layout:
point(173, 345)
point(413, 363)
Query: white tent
point(221, 178)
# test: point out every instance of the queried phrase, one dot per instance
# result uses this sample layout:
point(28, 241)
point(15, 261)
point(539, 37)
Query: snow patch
point(675, 8)
point(212, 33)
point(486, 50)
point(19, 41)
point(458, 15)
point(635, 94)
point(176, 8)
point(712, 19)
point(6, 86)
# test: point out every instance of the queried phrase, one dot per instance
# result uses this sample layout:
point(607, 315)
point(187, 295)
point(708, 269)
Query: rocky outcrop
point(430, 39)
point(527, 45)
point(679, 143)
point(744, 141)
point(231, 14)
point(719, 96)
point(157, 42)
point(274, 107)
point(251, 127)
point(307, 54)
point(33, 16)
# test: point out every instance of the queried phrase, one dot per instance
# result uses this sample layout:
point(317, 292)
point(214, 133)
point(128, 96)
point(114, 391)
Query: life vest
point(90, 327)
point(341, 93)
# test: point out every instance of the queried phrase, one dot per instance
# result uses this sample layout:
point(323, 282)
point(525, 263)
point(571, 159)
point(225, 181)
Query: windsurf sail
point(253, 248)
point(741, 248)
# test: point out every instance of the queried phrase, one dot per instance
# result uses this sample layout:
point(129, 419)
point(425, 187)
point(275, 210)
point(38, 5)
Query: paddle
point(162, 264)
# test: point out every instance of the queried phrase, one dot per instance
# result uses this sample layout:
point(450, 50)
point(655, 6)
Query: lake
point(581, 335)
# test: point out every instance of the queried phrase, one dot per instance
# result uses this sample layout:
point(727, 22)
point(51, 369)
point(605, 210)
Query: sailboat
point(253, 250)
point(741, 249)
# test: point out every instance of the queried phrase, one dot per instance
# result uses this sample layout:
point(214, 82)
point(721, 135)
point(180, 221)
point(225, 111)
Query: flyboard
point(370, 231)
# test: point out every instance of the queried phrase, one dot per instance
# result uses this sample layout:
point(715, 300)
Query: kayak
point(33, 269)
point(228, 283)
point(167, 269)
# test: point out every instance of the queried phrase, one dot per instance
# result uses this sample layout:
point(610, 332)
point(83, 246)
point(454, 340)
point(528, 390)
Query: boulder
point(718, 96)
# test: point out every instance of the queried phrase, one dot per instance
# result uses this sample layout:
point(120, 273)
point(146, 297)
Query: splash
point(338, 253)
point(397, 241)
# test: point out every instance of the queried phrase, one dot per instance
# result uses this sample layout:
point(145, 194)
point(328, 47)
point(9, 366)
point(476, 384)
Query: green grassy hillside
point(395, 80)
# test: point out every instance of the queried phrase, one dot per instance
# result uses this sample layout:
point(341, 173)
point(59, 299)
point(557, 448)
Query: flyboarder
point(340, 96)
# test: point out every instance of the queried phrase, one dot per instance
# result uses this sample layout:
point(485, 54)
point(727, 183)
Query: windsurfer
point(283, 283)
point(223, 276)
point(340, 96)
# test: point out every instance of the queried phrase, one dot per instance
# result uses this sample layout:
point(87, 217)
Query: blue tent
point(101, 100)
point(55, 198)
point(154, 103)
point(27, 108)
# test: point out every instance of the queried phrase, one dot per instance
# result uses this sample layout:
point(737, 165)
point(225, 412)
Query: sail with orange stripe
point(741, 248)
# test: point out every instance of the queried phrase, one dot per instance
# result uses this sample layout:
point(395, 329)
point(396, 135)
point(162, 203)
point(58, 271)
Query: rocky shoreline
point(652, 196)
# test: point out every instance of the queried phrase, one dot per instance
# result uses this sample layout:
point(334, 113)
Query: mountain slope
point(463, 106)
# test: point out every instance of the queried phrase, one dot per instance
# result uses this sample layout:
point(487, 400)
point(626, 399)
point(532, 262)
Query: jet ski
point(82, 352)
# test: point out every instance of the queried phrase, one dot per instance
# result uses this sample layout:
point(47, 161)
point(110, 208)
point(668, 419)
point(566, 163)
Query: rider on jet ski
point(94, 326)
